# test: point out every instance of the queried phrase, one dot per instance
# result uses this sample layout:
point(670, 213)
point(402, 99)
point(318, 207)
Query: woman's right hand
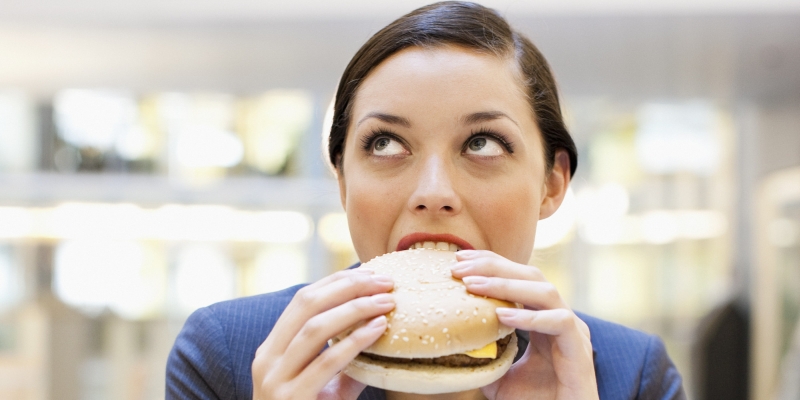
point(289, 365)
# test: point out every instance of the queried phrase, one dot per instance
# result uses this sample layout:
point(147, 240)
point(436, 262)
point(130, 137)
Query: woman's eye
point(386, 146)
point(484, 146)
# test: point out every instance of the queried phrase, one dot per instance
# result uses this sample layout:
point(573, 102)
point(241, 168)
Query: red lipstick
point(416, 237)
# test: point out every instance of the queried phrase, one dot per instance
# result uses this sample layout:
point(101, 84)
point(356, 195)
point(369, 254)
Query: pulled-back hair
point(471, 26)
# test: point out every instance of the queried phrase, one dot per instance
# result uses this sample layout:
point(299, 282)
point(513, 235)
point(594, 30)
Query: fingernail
point(363, 270)
point(383, 299)
point(459, 266)
point(506, 312)
point(475, 280)
point(377, 322)
point(382, 278)
point(465, 253)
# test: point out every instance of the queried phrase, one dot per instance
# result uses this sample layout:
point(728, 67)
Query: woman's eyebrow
point(388, 118)
point(484, 116)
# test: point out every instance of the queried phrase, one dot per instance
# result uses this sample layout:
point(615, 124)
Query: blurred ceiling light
point(602, 215)
point(170, 222)
point(199, 130)
point(19, 140)
point(96, 274)
point(784, 232)
point(674, 137)
point(203, 275)
point(609, 200)
point(278, 227)
point(556, 228)
point(202, 146)
point(659, 227)
point(272, 125)
point(335, 232)
point(136, 143)
point(93, 118)
point(278, 268)
point(220, 223)
point(96, 221)
point(701, 224)
point(17, 222)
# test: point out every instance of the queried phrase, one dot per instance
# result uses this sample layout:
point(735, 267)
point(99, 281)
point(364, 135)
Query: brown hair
point(462, 24)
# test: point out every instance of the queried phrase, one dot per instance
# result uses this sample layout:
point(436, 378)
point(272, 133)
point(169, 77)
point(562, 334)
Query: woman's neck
point(474, 394)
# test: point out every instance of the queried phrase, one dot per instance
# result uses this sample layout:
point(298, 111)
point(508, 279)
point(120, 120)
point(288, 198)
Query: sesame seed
point(424, 342)
point(395, 337)
point(444, 330)
point(483, 320)
point(405, 339)
point(403, 330)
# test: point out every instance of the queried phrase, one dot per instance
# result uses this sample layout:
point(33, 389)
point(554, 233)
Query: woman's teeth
point(435, 245)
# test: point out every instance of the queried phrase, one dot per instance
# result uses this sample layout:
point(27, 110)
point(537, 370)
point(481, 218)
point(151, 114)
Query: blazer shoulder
point(631, 364)
point(213, 353)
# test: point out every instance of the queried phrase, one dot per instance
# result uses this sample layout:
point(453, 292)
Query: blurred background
point(156, 157)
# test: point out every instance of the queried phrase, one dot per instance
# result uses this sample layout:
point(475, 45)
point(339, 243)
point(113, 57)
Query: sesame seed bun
point(434, 316)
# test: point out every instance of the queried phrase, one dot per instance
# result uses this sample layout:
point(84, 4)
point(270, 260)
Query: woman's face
point(442, 147)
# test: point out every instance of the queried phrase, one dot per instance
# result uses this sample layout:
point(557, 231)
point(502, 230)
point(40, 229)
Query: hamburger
point(439, 337)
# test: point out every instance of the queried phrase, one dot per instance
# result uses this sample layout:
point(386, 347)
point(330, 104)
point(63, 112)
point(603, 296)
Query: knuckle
point(550, 292)
point(306, 296)
point(312, 328)
point(535, 274)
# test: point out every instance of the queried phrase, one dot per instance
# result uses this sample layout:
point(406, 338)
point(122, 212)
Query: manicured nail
point(459, 266)
point(383, 299)
point(377, 322)
point(363, 270)
point(475, 280)
point(382, 278)
point(465, 253)
point(506, 312)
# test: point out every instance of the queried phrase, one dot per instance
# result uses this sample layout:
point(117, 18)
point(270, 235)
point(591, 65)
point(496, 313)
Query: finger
point(531, 294)
point(341, 387)
point(335, 358)
point(561, 323)
point(487, 263)
point(317, 298)
point(315, 333)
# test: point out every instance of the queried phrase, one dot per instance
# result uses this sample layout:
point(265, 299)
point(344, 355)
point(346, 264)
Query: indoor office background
point(156, 157)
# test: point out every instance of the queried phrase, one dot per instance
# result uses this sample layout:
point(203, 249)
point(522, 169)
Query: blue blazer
point(212, 355)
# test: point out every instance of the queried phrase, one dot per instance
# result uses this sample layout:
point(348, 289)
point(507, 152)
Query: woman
point(447, 128)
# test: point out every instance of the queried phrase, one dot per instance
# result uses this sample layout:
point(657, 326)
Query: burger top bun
point(434, 314)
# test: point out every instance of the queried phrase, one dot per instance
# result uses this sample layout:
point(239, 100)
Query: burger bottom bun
point(429, 379)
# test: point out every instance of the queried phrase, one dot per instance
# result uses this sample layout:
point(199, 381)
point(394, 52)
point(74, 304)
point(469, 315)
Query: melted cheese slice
point(488, 351)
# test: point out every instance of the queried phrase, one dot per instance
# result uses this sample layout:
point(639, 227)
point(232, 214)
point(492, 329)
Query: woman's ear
point(337, 170)
point(555, 185)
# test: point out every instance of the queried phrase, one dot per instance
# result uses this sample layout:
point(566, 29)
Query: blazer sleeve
point(199, 365)
point(660, 379)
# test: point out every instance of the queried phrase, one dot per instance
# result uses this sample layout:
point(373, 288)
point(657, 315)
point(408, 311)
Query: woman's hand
point(289, 365)
point(558, 362)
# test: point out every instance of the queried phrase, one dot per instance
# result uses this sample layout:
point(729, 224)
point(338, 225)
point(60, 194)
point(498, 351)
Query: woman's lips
point(420, 237)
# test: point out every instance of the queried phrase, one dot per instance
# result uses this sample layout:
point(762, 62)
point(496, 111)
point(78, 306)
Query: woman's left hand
point(558, 362)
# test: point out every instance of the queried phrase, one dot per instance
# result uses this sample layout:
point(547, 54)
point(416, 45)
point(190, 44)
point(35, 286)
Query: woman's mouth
point(435, 245)
point(439, 241)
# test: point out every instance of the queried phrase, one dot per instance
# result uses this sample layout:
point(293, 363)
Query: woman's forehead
point(447, 78)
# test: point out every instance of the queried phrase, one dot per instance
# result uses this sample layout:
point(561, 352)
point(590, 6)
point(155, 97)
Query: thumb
point(341, 387)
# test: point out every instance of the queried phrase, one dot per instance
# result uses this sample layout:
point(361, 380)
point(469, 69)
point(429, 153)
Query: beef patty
point(453, 360)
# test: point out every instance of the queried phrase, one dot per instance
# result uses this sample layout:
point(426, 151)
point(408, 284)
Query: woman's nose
point(434, 192)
